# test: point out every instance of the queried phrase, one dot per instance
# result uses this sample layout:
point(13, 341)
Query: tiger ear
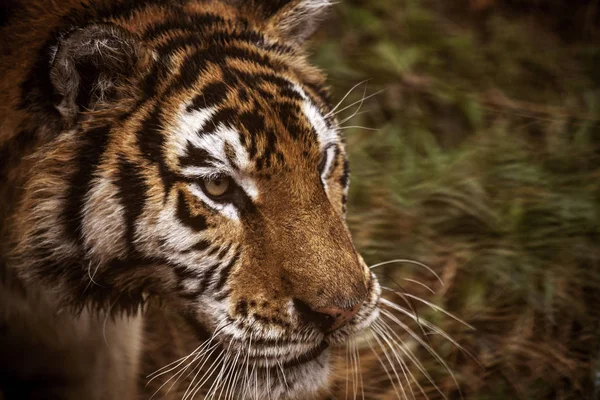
point(90, 64)
point(292, 20)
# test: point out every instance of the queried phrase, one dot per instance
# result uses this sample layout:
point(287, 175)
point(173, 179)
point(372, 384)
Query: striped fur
point(115, 115)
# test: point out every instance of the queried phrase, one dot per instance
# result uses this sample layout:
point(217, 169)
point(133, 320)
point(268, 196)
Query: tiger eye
point(217, 187)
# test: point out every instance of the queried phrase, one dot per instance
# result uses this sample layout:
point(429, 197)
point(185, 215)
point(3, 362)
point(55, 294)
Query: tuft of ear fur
point(291, 20)
point(91, 63)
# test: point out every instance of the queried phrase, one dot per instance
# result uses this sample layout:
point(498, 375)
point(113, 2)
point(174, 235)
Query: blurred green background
point(482, 160)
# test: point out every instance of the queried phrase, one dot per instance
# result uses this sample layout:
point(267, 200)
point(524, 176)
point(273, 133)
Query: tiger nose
point(328, 319)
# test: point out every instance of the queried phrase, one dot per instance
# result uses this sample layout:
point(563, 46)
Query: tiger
point(174, 183)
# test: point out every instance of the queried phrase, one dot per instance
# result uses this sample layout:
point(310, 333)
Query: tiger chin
point(181, 152)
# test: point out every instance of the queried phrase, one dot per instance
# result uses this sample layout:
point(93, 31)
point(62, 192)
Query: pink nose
point(327, 319)
point(337, 317)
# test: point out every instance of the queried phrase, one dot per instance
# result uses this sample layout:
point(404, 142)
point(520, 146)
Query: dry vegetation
point(485, 165)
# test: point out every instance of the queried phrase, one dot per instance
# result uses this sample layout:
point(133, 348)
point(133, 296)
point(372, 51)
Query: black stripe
point(255, 125)
point(201, 245)
point(184, 273)
point(289, 114)
point(179, 20)
point(219, 41)
point(345, 177)
point(132, 192)
point(225, 116)
point(222, 295)
point(271, 7)
point(213, 250)
point(224, 251)
point(207, 277)
point(211, 95)
point(196, 62)
point(224, 274)
point(184, 214)
point(151, 142)
point(196, 157)
point(90, 152)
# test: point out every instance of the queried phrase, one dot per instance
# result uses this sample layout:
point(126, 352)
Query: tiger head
point(199, 160)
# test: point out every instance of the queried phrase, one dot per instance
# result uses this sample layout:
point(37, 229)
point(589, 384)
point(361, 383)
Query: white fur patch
point(188, 132)
point(104, 238)
point(329, 156)
point(325, 134)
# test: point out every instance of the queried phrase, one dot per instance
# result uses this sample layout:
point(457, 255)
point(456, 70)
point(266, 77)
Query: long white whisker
point(197, 358)
point(420, 284)
point(356, 102)
point(179, 361)
point(403, 260)
point(352, 116)
point(206, 376)
point(330, 113)
point(387, 372)
point(440, 309)
point(401, 363)
point(421, 342)
point(408, 353)
point(227, 374)
point(283, 374)
point(198, 349)
point(362, 386)
point(217, 382)
point(203, 354)
point(268, 378)
point(353, 363)
point(359, 105)
point(357, 127)
point(385, 353)
point(347, 369)
point(246, 376)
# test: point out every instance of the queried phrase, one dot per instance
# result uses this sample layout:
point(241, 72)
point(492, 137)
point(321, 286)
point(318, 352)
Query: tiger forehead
point(264, 124)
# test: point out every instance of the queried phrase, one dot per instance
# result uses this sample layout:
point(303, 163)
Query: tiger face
point(199, 161)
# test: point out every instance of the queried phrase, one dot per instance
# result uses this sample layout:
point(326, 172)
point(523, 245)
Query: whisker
point(217, 381)
point(206, 376)
point(199, 348)
point(283, 374)
point(354, 370)
point(359, 105)
point(411, 356)
point(422, 343)
point(362, 386)
point(387, 372)
point(430, 326)
point(246, 376)
point(401, 363)
point(330, 113)
point(197, 368)
point(352, 116)
point(227, 374)
point(233, 380)
point(357, 127)
point(356, 102)
point(440, 309)
point(347, 370)
point(203, 354)
point(385, 353)
point(91, 276)
point(408, 261)
point(420, 284)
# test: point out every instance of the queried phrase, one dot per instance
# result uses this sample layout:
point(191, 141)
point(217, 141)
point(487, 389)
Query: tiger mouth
point(296, 361)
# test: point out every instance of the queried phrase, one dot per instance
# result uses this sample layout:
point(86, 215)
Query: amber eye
point(217, 187)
